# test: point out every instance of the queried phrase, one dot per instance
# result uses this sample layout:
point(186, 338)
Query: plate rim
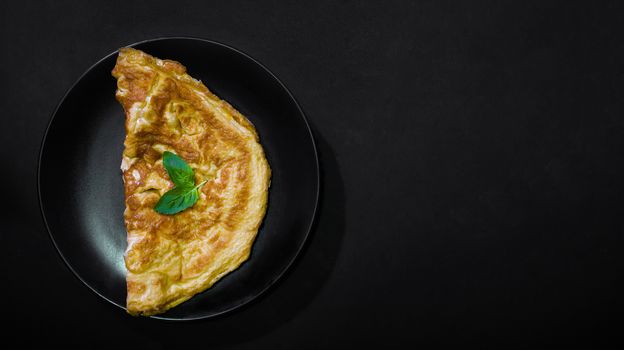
point(316, 161)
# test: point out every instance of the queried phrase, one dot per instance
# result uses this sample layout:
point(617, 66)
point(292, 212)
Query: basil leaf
point(185, 193)
point(179, 172)
point(178, 199)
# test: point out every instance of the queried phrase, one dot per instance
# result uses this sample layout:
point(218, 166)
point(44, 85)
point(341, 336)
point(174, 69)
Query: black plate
point(81, 191)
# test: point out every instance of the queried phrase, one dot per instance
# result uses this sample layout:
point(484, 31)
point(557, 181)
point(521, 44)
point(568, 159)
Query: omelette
point(170, 258)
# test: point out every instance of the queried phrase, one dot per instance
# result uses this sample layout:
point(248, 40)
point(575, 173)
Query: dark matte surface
point(83, 203)
point(472, 156)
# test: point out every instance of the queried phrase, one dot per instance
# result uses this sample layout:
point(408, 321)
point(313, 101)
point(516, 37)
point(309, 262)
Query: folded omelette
point(170, 258)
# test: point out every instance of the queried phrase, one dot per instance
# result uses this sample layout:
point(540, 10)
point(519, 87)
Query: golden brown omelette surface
point(170, 258)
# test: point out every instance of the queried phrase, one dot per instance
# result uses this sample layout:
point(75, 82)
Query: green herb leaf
point(185, 193)
point(179, 172)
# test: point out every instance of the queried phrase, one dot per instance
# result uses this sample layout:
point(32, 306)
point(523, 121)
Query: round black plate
point(81, 191)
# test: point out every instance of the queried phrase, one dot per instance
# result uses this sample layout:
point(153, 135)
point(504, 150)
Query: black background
point(472, 167)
